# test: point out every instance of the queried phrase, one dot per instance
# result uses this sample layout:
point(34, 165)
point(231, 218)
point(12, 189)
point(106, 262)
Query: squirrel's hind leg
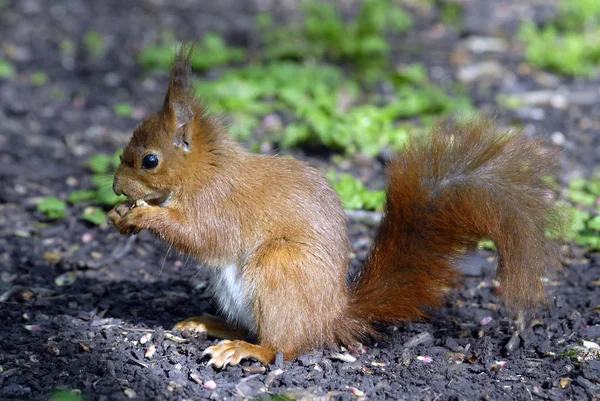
point(212, 326)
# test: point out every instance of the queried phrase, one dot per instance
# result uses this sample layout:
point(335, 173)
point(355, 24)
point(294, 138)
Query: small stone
point(421, 338)
point(585, 383)
point(210, 385)
point(271, 376)
point(279, 359)
point(145, 338)
point(452, 344)
point(310, 358)
point(405, 358)
point(484, 44)
point(513, 343)
point(488, 70)
point(558, 138)
point(251, 388)
point(590, 332)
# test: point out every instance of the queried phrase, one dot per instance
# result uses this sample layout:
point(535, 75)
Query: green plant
point(451, 12)
point(67, 47)
point(211, 52)
point(52, 207)
point(583, 212)
point(66, 395)
point(7, 70)
point(323, 107)
point(123, 109)
point(354, 194)
point(95, 44)
point(569, 44)
point(39, 78)
point(102, 167)
point(325, 33)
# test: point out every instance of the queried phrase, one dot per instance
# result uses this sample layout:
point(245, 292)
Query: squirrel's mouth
point(153, 199)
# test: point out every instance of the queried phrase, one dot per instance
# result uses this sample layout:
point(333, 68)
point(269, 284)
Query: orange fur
point(279, 231)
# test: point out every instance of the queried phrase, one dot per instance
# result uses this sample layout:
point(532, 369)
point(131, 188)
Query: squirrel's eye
point(150, 162)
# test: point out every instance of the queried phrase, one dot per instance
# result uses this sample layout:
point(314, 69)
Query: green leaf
point(100, 163)
point(354, 195)
point(52, 207)
point(487, 244)
point(94, 43)
point(83, 195)
point(39, 79)
point(414, 74)
point(582, 197)
point(103, 181)
point(7, 70)
point(124, 110)
point(66, 395)
point(94, 215)
point(116, 159)
point(594, 224)
point(108, 197)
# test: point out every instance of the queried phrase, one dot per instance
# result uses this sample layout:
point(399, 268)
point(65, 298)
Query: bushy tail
point(445, 193)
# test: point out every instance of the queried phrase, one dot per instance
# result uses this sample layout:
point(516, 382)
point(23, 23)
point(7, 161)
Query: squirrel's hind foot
point(212, 326)
point(232, 352)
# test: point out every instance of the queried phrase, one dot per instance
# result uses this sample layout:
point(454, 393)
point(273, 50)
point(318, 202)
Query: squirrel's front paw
point(130, 218)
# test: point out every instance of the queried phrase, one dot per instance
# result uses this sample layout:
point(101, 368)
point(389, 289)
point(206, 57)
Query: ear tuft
point(178, 91)
point(181, 69)
point(178, 106)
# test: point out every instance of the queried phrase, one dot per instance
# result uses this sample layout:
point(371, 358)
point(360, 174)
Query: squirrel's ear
point(177, 108)
point(180, 116)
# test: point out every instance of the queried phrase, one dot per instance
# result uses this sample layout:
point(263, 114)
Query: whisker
point(165, 259)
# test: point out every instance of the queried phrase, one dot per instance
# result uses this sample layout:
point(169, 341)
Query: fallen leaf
point(150, 351)
point(53, 257)
point(65, 279)
point(357, 392)
point(564, 382)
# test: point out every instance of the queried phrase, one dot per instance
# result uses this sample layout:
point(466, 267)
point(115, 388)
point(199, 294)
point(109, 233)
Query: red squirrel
point(275, 233)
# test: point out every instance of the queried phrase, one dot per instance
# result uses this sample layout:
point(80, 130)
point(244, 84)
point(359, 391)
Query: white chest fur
point(233, 296)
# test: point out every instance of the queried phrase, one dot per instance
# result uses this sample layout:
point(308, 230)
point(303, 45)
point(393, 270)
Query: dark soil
point(87, 336)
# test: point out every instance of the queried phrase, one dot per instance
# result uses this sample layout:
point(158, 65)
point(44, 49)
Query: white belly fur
point(233, 297)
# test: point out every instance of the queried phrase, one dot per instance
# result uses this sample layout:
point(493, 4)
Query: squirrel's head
point(171, 145)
